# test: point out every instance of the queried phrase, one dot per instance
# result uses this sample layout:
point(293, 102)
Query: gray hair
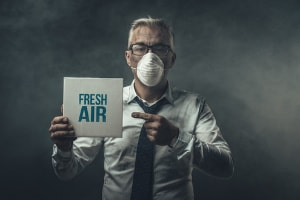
point(150, 22)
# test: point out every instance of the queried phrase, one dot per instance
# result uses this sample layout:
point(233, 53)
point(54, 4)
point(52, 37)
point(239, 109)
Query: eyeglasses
point(141, 49)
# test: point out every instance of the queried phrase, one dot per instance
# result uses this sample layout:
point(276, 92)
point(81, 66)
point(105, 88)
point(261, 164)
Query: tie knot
point(151, 109)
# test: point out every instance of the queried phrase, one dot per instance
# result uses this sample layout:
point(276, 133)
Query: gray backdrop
point(243, 56)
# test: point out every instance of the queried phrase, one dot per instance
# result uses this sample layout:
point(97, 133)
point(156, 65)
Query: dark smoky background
point(243, 56)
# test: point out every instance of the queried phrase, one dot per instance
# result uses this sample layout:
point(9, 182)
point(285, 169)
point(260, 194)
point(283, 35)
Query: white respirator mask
point(150, 69)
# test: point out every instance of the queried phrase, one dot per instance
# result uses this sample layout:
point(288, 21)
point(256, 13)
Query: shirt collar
point(132, 94)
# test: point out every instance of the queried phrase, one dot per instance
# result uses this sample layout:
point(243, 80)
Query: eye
point(139, 47)
point(160, 48)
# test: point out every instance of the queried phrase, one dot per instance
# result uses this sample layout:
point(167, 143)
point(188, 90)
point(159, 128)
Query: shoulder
point(187, 100)
point(185, 95)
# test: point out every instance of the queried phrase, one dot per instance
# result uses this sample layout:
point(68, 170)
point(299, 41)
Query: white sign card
point(94, 106)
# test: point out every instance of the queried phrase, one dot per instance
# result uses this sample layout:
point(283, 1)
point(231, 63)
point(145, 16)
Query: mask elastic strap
point(134, 68)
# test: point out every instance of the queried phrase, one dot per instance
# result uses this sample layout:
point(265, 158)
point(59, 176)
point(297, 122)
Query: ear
point(127, 57)
point(173, 58)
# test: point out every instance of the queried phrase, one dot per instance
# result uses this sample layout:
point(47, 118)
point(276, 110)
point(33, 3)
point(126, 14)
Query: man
point(180, 131)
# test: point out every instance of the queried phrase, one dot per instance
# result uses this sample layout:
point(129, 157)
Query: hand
point(159, 130)
point(62, 133)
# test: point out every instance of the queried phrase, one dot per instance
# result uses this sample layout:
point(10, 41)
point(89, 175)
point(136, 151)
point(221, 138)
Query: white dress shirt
point(199, 145)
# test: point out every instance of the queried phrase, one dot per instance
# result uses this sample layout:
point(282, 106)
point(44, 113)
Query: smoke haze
point(243, 56)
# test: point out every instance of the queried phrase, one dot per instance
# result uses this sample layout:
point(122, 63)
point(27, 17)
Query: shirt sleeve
point(69, 164)
point(211, 153)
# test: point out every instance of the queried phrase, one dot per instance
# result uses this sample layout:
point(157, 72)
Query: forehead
point(150, 35)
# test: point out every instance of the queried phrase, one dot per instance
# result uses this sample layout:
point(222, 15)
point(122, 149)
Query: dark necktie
point(143, 173)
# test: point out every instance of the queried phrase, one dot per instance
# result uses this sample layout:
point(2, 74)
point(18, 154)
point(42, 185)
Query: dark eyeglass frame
point(151, 47)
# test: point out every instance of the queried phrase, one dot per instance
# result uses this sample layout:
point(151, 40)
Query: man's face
point(150, 36)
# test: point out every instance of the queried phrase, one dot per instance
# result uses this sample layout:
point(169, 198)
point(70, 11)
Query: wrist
point(65, 147)
point(174, 138)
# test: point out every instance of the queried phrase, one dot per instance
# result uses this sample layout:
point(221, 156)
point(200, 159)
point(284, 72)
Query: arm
point(203, 139)
point(70, 156)
point(211, 153)
point(69, 164)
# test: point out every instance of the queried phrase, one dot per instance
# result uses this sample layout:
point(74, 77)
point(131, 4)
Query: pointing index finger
point(145, 116)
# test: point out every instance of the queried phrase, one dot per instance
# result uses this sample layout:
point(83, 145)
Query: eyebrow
point(140, 43)
point(160, 43)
